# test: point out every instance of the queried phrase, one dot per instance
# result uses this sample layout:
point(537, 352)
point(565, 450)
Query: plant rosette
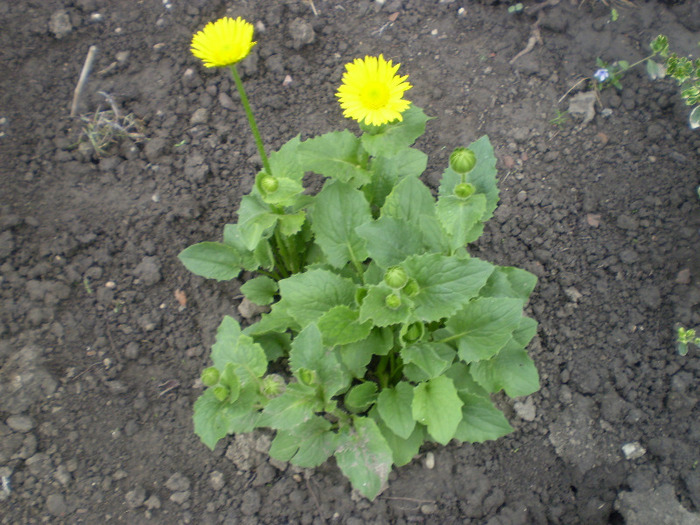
point(384, 332)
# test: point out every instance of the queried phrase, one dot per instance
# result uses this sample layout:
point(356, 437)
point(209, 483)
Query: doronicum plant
point(384, 332)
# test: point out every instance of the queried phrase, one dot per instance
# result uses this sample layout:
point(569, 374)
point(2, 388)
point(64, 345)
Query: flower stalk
point(251, 119)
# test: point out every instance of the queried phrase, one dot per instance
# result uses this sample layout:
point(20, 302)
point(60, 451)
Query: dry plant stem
point(535, 38)
point(84, 74)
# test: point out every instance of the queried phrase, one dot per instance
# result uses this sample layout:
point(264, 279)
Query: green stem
point(283, 252)
point(251, 119)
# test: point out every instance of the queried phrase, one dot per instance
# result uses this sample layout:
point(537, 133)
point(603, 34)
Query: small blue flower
point(602, 75)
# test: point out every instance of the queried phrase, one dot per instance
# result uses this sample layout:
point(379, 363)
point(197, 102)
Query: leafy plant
point(384, 332)
point(684, 70)
point(685, 337)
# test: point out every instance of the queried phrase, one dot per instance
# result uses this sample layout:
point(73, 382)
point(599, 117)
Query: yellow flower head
point(372, 92)
point(224, 42)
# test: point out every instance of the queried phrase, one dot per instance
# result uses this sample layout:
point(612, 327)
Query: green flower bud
point(462, 160)
point(464, 190)
point(414, 332)
point(221, 393)
point(411, 288)
point(392, 301)
point(396, 277)
point(307, 377)
point(210, 376)
point(272, 385)
point(269, 184)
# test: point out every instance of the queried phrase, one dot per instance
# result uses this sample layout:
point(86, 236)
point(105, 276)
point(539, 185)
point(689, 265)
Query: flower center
point(375, 95)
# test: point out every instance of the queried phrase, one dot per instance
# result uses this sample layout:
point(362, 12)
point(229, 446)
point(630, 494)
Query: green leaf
point(484, 326)
point(284, 163)
point(307, 296)
point(360, 397)
point(308, 353)
point(481, 421)
point(250, 260)
point(210, 418)
point(364, 457)
point(374, 307)
point(387, 171)
point(337, 155)
point(316, 443)
point(296, 405)
point(275, 344)
point(254, 220)
point(233, 347)
point(482, 176)
point(507, 281)
point(426, 357)
point(340, 326)
point(437, 406)
point(461, 218)
point(338, 210)
point(260, 290)
point(525, 331)
point(390, 240)
point(463, 381)
point(356, 356)
point(290, 224)
point(445, 283)
point(213, 260)
point(511, 369)
point(409, 201)
point(243, 414)
point(395, 408)
point(403, 450)
point(390, 139)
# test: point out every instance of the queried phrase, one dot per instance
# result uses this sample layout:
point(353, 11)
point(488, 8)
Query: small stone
point(525, 409)
point(148, 271)
point(429, 461)
point(573, 294)
point(216, 480)
point(62, 475)
point(301, 32)
point(683, 277)
point(428, 508)
point(59, 24)
point(248, 309)
point(177, 483)
point(226, 101)
point(152, 503)
point(132, 350)
point(180, 497)
point(200, 116)
point(633, 450)
point(56, 505)
point(20, 423)
point(135, 498)
point(154, 148)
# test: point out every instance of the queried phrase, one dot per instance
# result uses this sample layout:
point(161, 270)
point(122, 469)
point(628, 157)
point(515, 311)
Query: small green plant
point(384, 332)
point(516, 8)
point(684, 70)
point(560, 118)
point(685, 337)
point(107, 126)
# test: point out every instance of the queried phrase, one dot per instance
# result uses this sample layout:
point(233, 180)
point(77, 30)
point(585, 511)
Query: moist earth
point(103, 333)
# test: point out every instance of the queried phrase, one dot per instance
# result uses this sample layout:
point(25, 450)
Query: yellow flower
point(371, 91)
point(224, 42)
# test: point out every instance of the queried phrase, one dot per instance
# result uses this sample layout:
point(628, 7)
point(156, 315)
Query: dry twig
point(84, 74)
